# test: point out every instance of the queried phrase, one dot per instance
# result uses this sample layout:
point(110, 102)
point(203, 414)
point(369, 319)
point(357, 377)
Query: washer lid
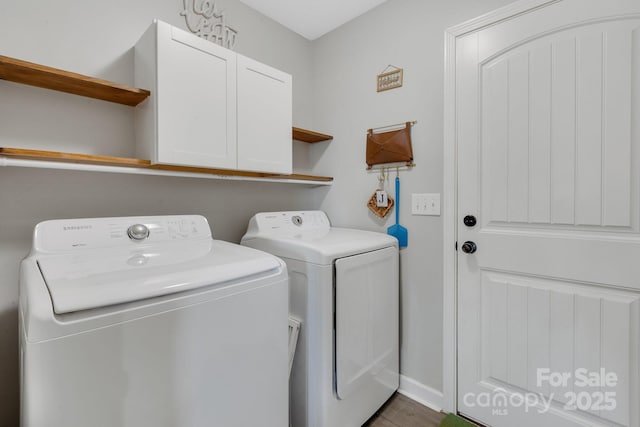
point(96, 278)
point(320, 246)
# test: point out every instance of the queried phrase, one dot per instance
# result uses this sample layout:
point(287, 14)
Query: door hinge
point(456, 245)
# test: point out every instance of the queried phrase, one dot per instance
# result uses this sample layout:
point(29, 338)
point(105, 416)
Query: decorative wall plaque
point(379, 211)
point(389, 79)
point(207, 21)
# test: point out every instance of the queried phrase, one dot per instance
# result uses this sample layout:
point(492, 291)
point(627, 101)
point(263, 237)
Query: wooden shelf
point(305, 135)
point(56, 156)
point(229, 172)
point(122, 162)
point(28, 73)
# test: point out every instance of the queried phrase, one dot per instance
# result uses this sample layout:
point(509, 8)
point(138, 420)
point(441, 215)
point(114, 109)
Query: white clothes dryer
point(343, 286)
point(148, 321)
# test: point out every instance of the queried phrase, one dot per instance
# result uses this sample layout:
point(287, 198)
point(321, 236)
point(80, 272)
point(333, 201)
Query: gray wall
point(95, 38)
point(334, 92)
point(408, 34)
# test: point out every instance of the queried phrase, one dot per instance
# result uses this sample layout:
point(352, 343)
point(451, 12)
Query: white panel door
point(196, 92)
point(367, 322)
point(548, 133)
point(264, 118)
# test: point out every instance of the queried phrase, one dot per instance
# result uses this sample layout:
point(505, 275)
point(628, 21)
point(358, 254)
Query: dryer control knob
point(138, 232)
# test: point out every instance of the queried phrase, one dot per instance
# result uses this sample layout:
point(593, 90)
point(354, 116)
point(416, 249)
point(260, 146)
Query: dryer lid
point(321, 246)
point(96, 278)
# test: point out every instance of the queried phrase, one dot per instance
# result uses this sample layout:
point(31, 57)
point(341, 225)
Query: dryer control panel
point(288, 223)
point(62, 235)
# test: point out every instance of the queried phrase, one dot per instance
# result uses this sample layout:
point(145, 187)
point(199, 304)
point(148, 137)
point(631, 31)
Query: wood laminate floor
point(400, 411)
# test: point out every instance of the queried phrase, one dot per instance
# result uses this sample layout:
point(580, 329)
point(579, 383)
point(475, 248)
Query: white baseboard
point(421, 393)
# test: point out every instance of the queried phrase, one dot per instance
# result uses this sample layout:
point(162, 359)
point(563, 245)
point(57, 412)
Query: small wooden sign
point(379, 211)
point(390, 80)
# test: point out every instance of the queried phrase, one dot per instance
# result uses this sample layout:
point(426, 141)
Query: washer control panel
point(69, 234)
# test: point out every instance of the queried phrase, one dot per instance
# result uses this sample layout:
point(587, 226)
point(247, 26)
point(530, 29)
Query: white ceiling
point(312, 18)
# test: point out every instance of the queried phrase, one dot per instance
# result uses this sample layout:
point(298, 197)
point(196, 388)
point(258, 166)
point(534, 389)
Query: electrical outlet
point(425, 204)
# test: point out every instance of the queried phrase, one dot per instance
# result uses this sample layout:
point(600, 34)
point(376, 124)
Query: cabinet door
point(196, 115)
point(264, 118)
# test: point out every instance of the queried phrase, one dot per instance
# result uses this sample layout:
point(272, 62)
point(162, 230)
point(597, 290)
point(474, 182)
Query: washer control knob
point(297, 220)
point(138, 232)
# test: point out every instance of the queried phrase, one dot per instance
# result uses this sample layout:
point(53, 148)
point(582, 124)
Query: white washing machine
point(343, 286)
point(148, 321)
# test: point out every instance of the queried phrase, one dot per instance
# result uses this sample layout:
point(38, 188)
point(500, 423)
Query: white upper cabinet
point(210, 107)
point(264, 117)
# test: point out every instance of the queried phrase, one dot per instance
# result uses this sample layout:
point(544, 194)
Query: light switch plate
point(425, 204)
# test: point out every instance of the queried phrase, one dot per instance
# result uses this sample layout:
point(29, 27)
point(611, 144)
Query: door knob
point(469, 247)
